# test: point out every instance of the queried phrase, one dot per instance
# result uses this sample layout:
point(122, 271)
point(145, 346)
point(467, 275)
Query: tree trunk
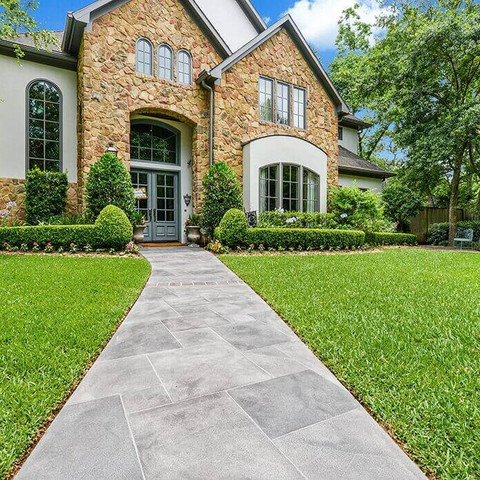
point(454, 186)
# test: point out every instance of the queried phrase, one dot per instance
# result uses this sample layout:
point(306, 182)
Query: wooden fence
point(420, 224)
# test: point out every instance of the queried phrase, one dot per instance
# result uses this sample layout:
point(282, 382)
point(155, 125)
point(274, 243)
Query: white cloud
point(318, 19)
point(267, 19)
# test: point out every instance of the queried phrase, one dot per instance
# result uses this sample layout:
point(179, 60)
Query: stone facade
point(237, 112)
point(111, 91)
point(12, 198)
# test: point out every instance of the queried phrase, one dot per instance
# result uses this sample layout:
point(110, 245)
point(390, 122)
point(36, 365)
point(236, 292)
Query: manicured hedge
point(111, 230)
point(382, 238)
point(304, 238)
point(280, 219)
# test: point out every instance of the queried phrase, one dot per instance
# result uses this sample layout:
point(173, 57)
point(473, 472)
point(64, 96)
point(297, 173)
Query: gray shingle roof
point(23, 39)
point(350, 162)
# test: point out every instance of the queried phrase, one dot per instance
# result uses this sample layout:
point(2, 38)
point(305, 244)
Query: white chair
point(463, 238)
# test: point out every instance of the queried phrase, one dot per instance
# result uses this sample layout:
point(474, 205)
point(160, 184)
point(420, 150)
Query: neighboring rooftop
point(353, 121)
point(26, 40)
point(351, 163)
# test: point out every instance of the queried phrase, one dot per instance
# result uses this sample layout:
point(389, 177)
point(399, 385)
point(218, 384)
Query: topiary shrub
point(232, 231)
point(113, 228)
point(222, 192)
point(46, 195)
point(109, 183)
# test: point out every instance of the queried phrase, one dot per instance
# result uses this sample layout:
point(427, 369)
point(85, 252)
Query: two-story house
point(173, 86)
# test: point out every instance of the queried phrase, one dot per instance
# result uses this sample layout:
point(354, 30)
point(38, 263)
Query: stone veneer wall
point(110, 90)
point(12, 198)
point(236, 104)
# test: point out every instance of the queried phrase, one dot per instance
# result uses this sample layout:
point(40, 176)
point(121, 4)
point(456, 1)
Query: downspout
point(210, 130)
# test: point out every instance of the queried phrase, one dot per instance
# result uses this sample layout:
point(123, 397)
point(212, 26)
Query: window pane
point(269, 188)
point(165, 62)
point(290, 200)
point(44, 126)
point(144, 57)
point(283, 103)
point(265, 88)
point(311, 194)
point(298, 107)
point(184, 68)
point(153, 143)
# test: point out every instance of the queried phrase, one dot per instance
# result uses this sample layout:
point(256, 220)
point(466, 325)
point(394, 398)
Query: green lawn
point(401, 329)
point(56, 313)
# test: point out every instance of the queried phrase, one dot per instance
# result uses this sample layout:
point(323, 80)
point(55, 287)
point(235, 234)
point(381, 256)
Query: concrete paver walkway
point(204, 381)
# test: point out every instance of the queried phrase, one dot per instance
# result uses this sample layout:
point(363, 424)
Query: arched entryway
point(160, 158)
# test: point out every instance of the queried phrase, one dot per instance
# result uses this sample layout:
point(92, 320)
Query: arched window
point(184, 67)
point(44, 129)
point(290, 187)
point(150, 142)
point(165, 62)
point(144, 57)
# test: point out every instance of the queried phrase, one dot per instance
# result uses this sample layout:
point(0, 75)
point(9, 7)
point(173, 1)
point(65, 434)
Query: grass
point(401, 329)
point(56, 313)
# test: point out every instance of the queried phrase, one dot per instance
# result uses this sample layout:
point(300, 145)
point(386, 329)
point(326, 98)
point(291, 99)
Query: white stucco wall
point(230, 21)
point(374, 184)
point(350, 139)
point(14, 79)
point(280, 149)
point(186, 177)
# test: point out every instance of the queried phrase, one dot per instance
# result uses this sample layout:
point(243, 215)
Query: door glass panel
point(165, 198)
point(140, 181)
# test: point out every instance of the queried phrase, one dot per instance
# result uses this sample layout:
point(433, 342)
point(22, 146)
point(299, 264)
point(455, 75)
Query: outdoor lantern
point(111, 149)
point(187, 199)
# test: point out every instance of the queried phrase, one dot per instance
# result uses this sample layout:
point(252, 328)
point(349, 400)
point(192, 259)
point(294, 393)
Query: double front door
point(157, 200)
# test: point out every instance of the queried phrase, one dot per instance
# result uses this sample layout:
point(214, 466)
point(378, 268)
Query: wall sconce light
point(111, 149)
point(187, 199)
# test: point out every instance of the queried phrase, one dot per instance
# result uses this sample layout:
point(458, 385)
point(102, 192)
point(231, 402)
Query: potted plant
point(139, 226)
point(192, 228)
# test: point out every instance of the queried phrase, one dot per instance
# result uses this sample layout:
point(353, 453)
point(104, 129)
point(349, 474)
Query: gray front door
point(160, 207)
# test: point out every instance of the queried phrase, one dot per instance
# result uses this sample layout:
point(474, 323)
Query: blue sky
point(316, 18)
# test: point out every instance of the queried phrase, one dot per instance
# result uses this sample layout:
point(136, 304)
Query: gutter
point(204, 84)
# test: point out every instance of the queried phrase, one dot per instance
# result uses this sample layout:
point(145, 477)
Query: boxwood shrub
point(111, 230)
point(232, 230)
point(304, 238)
point(382, 238)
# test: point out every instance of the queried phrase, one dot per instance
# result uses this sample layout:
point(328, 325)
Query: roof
point(351, 163)
point(287, 23)
point(350, 120)
point(52, 55)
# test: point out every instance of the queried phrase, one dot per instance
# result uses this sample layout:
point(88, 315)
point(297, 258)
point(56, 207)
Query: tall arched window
point(290, 187)
point(184, 67)
point(144, 57)
point(165, 62)
point(44, 129)
point(151, 142)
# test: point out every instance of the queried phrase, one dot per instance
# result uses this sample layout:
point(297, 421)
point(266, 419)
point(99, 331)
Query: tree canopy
point(419, 80)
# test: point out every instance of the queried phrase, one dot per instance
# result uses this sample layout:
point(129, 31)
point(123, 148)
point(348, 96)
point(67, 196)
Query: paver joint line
point(207, 381)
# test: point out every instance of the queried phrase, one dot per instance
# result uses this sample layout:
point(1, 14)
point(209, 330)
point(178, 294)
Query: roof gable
point(289, 25)
point(82, 19)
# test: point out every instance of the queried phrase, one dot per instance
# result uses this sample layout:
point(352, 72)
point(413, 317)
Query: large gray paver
point(89, 441)
point(194, 371)
point(206, 438)
point(291, 402)
point(213, 385)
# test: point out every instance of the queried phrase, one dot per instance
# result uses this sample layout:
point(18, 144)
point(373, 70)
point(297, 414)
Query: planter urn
point(193, 234)
point(138, 233)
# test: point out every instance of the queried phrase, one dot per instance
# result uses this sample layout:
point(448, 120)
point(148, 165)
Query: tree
point(15, 17)
point(109, 184)
point(222, 192)
point(401, 202)
point(422, 77)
